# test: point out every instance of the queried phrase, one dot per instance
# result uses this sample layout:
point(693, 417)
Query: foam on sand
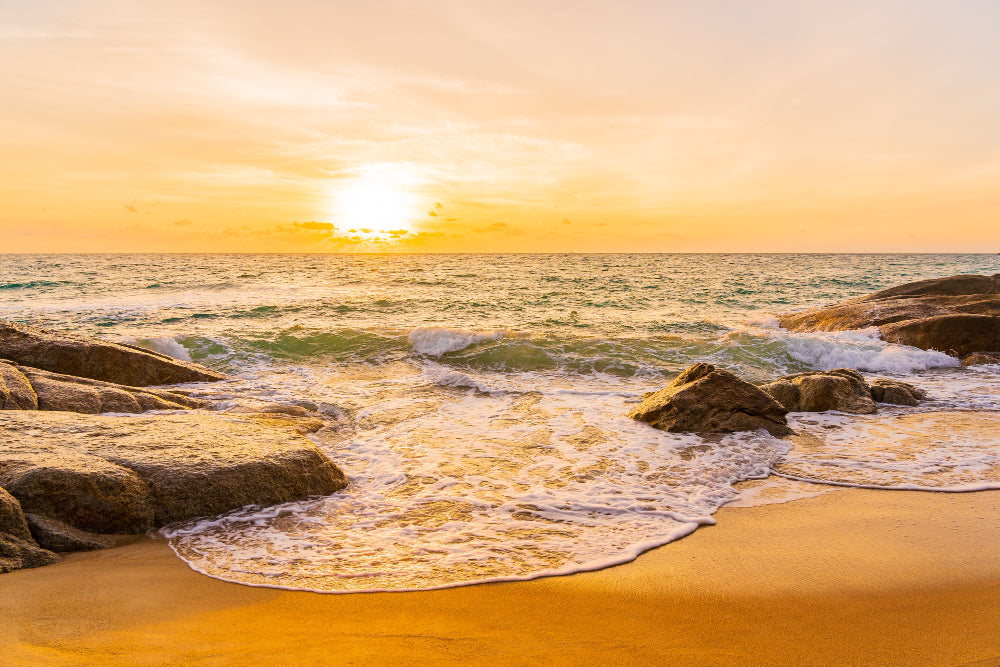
point(480, 488)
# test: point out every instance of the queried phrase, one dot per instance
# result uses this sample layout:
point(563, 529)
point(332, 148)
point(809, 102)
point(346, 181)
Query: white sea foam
point(435, 341)
point(862, 350)
point(775, 490)
point(449, 377)
point(167, 345)
point(940, 450)
point(448, 490)
point(764, 320)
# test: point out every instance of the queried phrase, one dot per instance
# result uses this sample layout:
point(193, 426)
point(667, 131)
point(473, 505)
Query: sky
point(487, 126)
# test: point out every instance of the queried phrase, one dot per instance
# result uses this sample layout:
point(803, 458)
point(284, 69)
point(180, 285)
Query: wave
point(168, 345)
point(861, 350)
point(31, 284)
point(759, 354)
point(436, 341)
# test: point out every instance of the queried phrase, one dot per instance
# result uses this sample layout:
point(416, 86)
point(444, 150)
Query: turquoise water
point(477, 401)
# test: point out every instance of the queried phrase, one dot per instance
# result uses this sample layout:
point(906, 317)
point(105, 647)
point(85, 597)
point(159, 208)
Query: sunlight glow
point(377, 201)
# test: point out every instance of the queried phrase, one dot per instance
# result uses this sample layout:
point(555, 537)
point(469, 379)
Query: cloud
point(318, 226)
point(181, 223)
point(130, 209)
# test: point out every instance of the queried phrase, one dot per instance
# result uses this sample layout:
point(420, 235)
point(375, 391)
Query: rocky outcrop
point(12, 519)
point(59, 481)
point(54, 391)
point(58, 536)
point(957, 335)
point(896, 392)
point(959, 315)
point(85, 357)
point(16, 392)
point(841, 389)
point(704, 399)
point(128, 474)
point(17, 547)
point(981, 359)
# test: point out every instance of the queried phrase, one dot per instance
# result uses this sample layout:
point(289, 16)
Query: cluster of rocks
point(706, 399)
point(841, 389)
point(66, 478)
point(958, 315)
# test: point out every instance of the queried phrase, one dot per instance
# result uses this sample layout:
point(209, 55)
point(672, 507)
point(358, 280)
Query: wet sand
point(848, 577)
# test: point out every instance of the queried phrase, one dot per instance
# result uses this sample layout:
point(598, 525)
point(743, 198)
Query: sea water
point(477, 402)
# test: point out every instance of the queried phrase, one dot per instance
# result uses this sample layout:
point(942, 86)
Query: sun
point(377, 201)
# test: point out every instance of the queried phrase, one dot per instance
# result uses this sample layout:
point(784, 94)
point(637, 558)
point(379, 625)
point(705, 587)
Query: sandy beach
point(850, 577)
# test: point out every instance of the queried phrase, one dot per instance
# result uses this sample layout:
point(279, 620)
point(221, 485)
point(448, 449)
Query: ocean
point(477, 402)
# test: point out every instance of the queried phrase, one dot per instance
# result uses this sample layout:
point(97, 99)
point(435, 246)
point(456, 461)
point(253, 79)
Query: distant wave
point(435, 341)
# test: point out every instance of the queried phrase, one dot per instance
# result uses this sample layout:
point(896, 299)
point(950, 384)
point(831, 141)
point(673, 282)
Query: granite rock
point(71, 354)
point(841, 389)
point(896, 392)
point(704, 399)
point(55, 535)
point(958, 315)
point(116, 474)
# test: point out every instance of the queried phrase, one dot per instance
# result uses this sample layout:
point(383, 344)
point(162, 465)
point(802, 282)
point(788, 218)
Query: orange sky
point(499, 126)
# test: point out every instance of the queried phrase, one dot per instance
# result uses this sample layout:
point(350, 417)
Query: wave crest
point(435, 341)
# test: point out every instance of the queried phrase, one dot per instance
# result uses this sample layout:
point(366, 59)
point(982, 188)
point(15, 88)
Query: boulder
point(17, 548)
point(841, 389)
point(18, 554)
point(115, 474)
point(896, 392)
point(72, 354)
point(958, 335)
point(16, 392)
point(958, 315)
point(74, 394)
point(55, 535)
point(12, 519)
point(50, 479)
point(704, 399)
point(981, 359)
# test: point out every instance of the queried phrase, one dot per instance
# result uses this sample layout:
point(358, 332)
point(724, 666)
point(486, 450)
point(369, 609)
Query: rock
point(55, 535)
point(981, 359)
point(12, 519)
point(841, 389)
point(301, 425)
point(18, 554)
point(17, 548)
point(74, 394)
point(704, 399)
point(278, 409)
point(896, 392)
point(71, 354)
point(85, 491)
point(115, 474)
point(16, 392)
point(957, 335)
point(958, 315)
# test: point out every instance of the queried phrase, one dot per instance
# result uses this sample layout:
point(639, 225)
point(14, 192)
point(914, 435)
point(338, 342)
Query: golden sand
point(850, 577)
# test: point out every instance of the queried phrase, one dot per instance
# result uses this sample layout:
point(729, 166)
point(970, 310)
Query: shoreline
point(851, 576)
